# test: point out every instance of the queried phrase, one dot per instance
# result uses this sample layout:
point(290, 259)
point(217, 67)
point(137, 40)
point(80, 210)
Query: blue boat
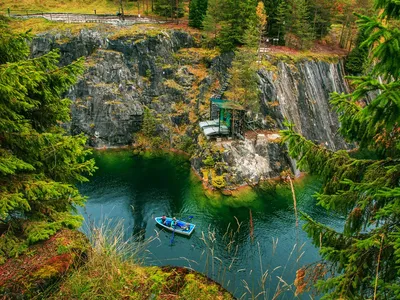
point(181, 227)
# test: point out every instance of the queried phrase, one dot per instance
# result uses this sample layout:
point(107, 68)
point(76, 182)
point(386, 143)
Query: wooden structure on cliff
point(226, 119)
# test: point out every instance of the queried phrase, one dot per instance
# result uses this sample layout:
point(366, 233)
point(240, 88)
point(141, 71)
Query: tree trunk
point(121, 7)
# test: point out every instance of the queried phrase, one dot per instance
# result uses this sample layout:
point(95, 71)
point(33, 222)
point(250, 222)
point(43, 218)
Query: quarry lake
point(225, 246)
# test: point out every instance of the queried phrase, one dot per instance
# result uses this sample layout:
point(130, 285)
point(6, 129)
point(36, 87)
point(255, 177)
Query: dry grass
point(200, 71)
point(138, 29)
point(39, 25)
point(76, 6)
point(218, 267)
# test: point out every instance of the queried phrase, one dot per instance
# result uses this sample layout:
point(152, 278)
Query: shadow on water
point(136, 189)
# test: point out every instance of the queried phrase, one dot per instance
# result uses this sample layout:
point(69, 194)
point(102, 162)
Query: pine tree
point(282, 13)
point(320, 16)
point(213, 17)
point(271, 7)
point(39, 162)
point(298, 32)
point(197, 12)
point(364, 187)
point(236, 19)
point(356, 61)
point(243, 84)
point(169, 8)
point(149, 125)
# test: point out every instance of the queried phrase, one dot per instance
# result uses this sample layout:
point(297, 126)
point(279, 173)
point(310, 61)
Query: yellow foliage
point(200, 71)
point(218, 182)
point(172, 84)
point(193, 118)
point(137, 29)
point(205, 174)
point(179, 107)
point(197, 54)
point(261, 15)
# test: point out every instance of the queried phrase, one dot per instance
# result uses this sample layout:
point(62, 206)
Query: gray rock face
point(252, 161)
point(121, 77)
point(126, 74)
point(103, 108)
point(82, 45)
point(300, 94)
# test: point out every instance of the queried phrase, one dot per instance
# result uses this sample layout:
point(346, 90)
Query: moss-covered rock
point(43, 264)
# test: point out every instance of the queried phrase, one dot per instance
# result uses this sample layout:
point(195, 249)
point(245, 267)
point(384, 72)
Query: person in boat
point(173, 223)
point(185, 227)
point(163, 219)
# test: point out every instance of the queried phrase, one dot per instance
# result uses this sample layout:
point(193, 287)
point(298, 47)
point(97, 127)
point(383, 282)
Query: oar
point(173, 234)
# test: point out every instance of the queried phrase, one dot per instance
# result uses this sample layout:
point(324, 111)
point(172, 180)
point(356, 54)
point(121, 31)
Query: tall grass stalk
point(216, 267)
point(113, 261)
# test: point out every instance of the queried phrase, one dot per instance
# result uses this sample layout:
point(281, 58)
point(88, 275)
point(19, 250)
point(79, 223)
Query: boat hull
point(177, 228)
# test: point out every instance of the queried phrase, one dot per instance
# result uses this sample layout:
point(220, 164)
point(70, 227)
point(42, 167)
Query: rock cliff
point(299, 93)
point(294, 91)
point(167, 74)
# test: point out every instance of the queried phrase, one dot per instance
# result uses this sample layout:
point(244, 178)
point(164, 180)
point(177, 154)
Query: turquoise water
point(135, 189)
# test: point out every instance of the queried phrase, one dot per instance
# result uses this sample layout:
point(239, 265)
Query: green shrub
point(209, 161)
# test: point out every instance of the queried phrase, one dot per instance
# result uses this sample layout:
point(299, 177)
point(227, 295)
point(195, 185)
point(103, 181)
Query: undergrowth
point(113, 271)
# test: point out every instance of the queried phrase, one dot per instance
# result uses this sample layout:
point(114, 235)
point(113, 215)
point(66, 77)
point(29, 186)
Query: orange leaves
point(307, 276)
point(299, 282)
point(386, 139)
point(261, 15)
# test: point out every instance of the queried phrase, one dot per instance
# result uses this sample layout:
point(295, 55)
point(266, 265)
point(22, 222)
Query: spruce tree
point(356, 61)
point(282, 13)
point(213, 17)
point(237, 16)
point(298, 31)
point(243, 84)
point(169, 8)
point(320, 12)
point(197, 12)
point(364, 257)
point(271, 7)
point(39, 162)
